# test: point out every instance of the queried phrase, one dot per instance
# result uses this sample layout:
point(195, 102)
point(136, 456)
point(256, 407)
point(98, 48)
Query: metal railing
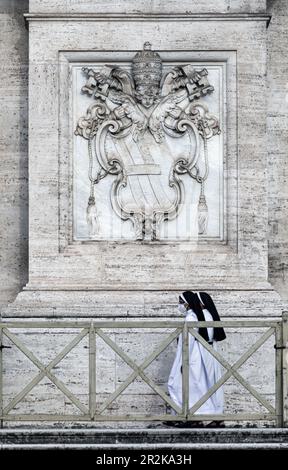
point(95, 411)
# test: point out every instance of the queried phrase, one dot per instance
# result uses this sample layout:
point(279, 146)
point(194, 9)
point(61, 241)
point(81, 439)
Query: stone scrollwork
point(133, 114)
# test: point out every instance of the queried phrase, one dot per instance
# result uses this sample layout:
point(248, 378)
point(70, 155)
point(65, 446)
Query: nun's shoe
point(215, 424)
point(176, 424)
point(172, 423)
point(188, 424)
point(184, 424)
point(194, 424)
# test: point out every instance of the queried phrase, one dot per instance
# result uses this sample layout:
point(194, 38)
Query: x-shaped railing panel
point(139, 370)
point(45, 371)
point(232, 371)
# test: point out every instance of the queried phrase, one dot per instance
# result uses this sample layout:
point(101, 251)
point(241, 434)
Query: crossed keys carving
point(147, 129)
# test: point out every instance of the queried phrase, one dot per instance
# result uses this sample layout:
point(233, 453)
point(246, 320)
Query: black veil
point(194, 303)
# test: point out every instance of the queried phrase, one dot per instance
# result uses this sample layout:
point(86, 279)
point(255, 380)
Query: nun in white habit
point(204, 369)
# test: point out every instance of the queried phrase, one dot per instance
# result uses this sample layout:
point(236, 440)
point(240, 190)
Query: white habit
point(204, 371)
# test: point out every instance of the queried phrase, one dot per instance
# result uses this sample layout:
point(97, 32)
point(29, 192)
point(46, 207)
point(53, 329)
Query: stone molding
point(148, 17)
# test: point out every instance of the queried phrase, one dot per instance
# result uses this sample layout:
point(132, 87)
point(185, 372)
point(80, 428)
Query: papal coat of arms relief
point(128, 128)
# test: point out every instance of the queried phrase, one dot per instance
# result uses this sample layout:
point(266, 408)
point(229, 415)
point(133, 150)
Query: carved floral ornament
point(132, 117)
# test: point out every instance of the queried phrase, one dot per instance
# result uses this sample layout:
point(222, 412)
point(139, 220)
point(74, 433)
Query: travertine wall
point(14, 192)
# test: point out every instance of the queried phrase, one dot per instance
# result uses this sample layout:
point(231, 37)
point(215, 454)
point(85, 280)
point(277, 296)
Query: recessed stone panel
point(148, 163)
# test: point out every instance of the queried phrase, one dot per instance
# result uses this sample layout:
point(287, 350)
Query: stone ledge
point(161, 438)
point(186, 16)
point(139, 304)
point(187, 446)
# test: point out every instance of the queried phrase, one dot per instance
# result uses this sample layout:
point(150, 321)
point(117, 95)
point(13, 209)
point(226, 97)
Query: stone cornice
point(148, 17)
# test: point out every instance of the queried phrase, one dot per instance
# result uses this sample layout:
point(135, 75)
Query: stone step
point(159, 438)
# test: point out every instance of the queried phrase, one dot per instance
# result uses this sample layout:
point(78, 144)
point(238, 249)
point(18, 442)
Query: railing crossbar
point(139, 324)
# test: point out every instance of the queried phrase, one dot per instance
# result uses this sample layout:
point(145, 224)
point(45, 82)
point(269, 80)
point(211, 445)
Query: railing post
point(92, 371)
point(1, 377)
point(185, 370)
point(278, 377)
point(285, 367)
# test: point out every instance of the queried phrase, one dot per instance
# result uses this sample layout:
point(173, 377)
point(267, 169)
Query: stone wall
point(14, 192)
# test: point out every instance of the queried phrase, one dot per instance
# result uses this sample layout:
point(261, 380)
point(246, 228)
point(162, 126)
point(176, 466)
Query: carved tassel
point(202, 213)
point(92, 217)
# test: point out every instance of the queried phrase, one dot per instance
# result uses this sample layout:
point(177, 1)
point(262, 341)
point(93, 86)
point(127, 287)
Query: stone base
point(231, 303)
point(134, 439)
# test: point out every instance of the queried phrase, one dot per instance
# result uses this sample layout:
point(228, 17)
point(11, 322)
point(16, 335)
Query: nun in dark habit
point(204, 369)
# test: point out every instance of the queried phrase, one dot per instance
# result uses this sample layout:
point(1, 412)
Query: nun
point(204, 369)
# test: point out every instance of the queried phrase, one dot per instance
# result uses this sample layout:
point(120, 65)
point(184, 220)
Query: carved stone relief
point(147, 130)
